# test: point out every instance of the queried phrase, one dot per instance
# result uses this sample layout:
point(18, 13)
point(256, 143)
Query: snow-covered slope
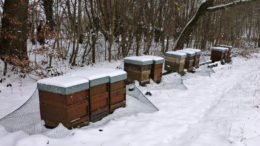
point(217, 110)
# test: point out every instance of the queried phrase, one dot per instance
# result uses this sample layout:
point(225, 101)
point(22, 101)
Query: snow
point(138, 58)
point(144, 60)
point(12, 97)
point(63, 81)
point(197, 51)
point(176, 53)
point(188, 52)
point(217, 110)
point(115, 73)
point(222, 49)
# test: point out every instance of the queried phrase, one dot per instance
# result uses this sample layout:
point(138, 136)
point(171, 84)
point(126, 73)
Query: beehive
point(117, 90)
point(98, 96)
point(175, 61)
point(189, 61)
point(138, 68)
point(64, 100)
point(228, 58)
point(196, 63)
point(157, 66)
point(218, 54)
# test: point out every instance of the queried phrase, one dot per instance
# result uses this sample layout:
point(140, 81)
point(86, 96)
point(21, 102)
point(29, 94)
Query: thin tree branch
point(231, 4)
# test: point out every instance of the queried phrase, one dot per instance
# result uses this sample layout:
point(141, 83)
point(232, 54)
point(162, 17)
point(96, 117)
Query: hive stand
point(175, 61)
point(218, 54)
point(189, 62)
point(138, 68)
point(64, 100)
point(117, 90)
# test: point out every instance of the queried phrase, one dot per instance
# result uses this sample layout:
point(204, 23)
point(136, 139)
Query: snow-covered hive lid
point(139, 60)
point(175, 54)
point(63, 84)
point(117, 75)
point(189, 53)
point(221, 49)
point(95, 76)
point(197, 51)
point(156, 59)
point(226, 46)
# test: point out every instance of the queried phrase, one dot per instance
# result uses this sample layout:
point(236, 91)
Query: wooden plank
point(117, 105)
point(55, 114)
point(100, 89)
point(117, 85)
point(99, 101)
point(63, 100)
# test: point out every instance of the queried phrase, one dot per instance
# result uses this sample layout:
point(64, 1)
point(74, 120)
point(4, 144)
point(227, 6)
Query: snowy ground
point(217, 110)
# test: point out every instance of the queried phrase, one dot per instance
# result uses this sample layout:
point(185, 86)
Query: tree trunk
point(47, 4)
point(258, 28)
point(185, 34)
point(78, 33)
point(205, 7)
point(14, 35)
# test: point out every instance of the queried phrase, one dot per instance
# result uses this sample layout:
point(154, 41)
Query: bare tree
point(206, 6)
point(14, 33)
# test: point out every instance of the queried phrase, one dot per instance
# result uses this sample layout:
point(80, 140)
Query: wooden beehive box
point(228, 58)
point(175, 61)
point(156, 72)
point(189, 62)
point(117, 90)
point(218, 54)
point(138, 68)
point(64, 100)
point(196, 63)
point(98, 96)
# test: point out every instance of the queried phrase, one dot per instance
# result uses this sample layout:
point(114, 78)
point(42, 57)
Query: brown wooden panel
point(174, 67)
point(58, 114)
point(157, 66)
point(217, 55)
point(78, 110)
point(197, 61)
point(100, 89)
point(117, 85)
point(116, 106)
point(53, 113)
point(139, 76)
point(83, 121)
point(99, 114)
point(99, 101)
point(118, 92)
point(63, 100)
point(175, 60)
point(117, 99)
point(134, 67)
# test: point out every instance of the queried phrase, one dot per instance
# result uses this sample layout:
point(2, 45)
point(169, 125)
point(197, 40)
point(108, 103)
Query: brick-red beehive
point(64, 100)
point(138, 68)
point(218, 54)
point(175, 61)
point(156, 72)
point(189, 62)
point(117, 90)
point(196, 62)
point(99, 96)
point(228, 58)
